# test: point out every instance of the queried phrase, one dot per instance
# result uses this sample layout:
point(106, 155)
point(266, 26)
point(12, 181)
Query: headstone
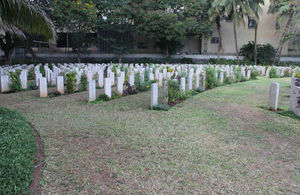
point(4, 83)
point(295, 96)
point(107, 87)
point(23, 79)
point(131, 79)
point(154, 94)
point(203, 81)
point(43, 87)
point(182, 83)
point(92, 90)
point(100, 78)
point(160, 79)
point(273, 95)
point(120, 85)
point(248, 74)
point(221, 77)
point(190, 82)
point(60, 87)
point(112, 78)
point(53, 78)
point(197, 81)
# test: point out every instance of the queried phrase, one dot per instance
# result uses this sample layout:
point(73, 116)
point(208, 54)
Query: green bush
point(229, 80)
point(83, 82)
point(17, 154)
point(200, 90)
point(273, 73)
point(115, 95)
point(211, 80)
point(174, 91)
point(42, 70)
point(297, 75)
point(103, 98)
point(33, 86)
point(15, 84)
point(265, 53)
point(287, 73)
point(254, 74)
point(31, 74)
point(71, 81)
point(163, 107)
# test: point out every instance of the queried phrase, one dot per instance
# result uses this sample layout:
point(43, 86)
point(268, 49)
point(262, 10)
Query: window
point(142, 45)
point(251, 23)
point(214, 40)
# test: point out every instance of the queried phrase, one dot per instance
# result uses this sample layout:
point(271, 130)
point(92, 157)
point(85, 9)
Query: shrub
point(17, 154)
point(273, 73)
point(254, 74)
point(129, 90)
point(71, 81)
point(174, 91)
point(103, 97)
point(265, 53)
point(53, 94)
point(83, 82)
point(200, 90)
point(33, 86)
point(163, 107)
point(287, 73)
point(211, 80)
point(297, 75)
point(15, 84)
point(31, 74)
point(115, 95)
point(229, 80)
point(42, 70)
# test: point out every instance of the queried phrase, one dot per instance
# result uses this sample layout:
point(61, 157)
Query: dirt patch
point(39, 164)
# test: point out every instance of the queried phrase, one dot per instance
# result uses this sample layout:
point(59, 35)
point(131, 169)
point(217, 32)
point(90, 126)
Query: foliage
point(53, 94)
point(17, 154)
point(115, 95)
point(83, 82)
point(162, 107)
point(297, 75)
point(42, 70)
point(71, 81)
point(273, 73)
point(229, 80)
point(33, 86)
point(129, 90)
point(254, 74)
point(211, 80)
point(145, 86)
point(200, 90)
point(15, 84)
point(31, 74)
point(287, 73)
point(103, 97)
point(174, 91)
point(265, 53)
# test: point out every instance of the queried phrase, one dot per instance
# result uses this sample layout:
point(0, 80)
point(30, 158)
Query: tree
point(116, 17)
point(217, 13)
point(237, 10)
point(76, 16)
point(286, 9)
point(18, 17)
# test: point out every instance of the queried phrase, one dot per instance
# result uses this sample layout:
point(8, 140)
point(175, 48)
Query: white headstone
point(190, 82)
point(197, 81)
point(92, 90)
point(107, 87)
point(131, 79)
point(154, 94)
point(60, 85)
point(43, 87)
point(4, 83)
point(120, 84)
point(100, 78)
point(182, 83)
point(273, 95)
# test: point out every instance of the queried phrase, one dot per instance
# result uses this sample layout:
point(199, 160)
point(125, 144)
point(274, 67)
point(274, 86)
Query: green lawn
point(220, 141)
point(17, 153)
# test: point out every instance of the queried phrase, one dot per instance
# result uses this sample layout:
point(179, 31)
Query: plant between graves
point(297, 75)
point(254, 74)
point(42, 70)
point(130, 90)
point(200, 90)
point(287, 73)
point(83, 82)
point(103, 98)
point(229, 80)
point(162, 107)
point(33, 86)
point(31, 74)
point(71, 81)
point(211, 80)
point(115, 95)
point(174, 91)
point(273, 73)
point(15, 84)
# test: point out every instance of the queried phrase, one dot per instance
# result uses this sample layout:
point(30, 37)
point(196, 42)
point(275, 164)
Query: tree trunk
point(7, 55)
point(236, 45)
point(255, 45)
point(283, 36)
point(220, 45)
point(120, 58)
point(168, 55)
point(78, 56)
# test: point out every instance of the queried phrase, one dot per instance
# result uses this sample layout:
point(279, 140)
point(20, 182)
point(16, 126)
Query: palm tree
point(236, 10)
point(257, 10)
point(216, 13)
point(284, 9)
point(19, 16)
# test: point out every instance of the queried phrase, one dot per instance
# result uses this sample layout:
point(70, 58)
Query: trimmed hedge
point(17, 153)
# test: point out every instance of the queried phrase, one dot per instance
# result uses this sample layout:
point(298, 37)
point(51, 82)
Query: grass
point(17, 153)
point(220, 141)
